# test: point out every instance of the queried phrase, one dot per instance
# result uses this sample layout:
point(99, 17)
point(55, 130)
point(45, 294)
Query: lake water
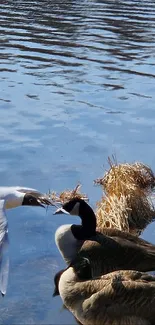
point(77, 83)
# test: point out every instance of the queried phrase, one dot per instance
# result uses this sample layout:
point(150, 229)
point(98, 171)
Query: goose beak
point(60, 211)
point(55, 293)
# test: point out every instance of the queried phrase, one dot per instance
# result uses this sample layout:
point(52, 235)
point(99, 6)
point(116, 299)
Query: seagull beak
point(40, 204)
point(60, 211)
point(45, 201)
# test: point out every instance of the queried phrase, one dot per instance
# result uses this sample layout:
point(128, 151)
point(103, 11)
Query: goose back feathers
point(117, 298)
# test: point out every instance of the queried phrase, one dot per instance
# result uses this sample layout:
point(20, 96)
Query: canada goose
point(11, 197)
point(107, 249)
point(117, 298)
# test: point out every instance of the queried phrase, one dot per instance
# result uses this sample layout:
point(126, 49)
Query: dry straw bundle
point(67, 195)
point(131, 213)
point(126, 204)
point(122, 178)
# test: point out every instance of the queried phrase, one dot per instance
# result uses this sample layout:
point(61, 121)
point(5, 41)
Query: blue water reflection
point(76, 85)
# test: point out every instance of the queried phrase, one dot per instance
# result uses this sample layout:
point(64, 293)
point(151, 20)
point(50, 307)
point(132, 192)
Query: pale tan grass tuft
point(67, 195)
point(126, 204)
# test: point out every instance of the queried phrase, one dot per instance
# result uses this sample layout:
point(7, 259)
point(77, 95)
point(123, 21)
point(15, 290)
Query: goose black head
point(75, 206)
point(30, 199)
point(80, 208)
point(82, 268)
point(56, 283)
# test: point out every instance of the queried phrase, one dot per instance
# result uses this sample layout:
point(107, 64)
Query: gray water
point(77, 84)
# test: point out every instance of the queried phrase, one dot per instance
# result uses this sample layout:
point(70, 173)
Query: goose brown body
point(107, 249)
point(112, 249)
point(117, 298)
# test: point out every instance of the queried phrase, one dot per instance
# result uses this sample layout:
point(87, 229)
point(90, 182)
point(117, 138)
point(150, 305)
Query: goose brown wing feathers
point(109, 253)
point(121, 294)
point(117, 234)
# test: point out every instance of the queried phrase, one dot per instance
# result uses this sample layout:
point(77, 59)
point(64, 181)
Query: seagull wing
point(4, 243)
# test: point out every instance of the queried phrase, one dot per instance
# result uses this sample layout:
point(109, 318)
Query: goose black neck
point(87, 229)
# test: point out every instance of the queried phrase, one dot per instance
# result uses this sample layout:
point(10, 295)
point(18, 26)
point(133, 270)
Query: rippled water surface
point(77, 83)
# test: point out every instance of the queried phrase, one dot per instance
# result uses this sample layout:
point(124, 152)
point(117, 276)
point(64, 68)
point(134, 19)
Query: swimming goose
point(117, 298)
point(107, 249)
point(11, 197)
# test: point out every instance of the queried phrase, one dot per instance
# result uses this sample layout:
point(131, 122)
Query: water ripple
point(77, 85)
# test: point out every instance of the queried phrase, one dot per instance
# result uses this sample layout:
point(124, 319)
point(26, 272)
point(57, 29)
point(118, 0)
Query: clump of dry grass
point(131, 213)
point(126, 204)
point(123, 178)
point(67, 195)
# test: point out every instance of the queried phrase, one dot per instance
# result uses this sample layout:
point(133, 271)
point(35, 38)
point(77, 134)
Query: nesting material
point(131, 213)
point(127, 204)
point(123, 178)
point(67, 195)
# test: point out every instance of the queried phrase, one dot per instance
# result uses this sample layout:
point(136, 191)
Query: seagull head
point(30, 199)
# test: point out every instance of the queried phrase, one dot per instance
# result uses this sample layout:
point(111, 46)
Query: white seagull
point(12, 197)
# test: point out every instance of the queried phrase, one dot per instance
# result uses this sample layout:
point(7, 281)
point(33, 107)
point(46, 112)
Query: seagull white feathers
point(4, 258)
point(11, 197)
